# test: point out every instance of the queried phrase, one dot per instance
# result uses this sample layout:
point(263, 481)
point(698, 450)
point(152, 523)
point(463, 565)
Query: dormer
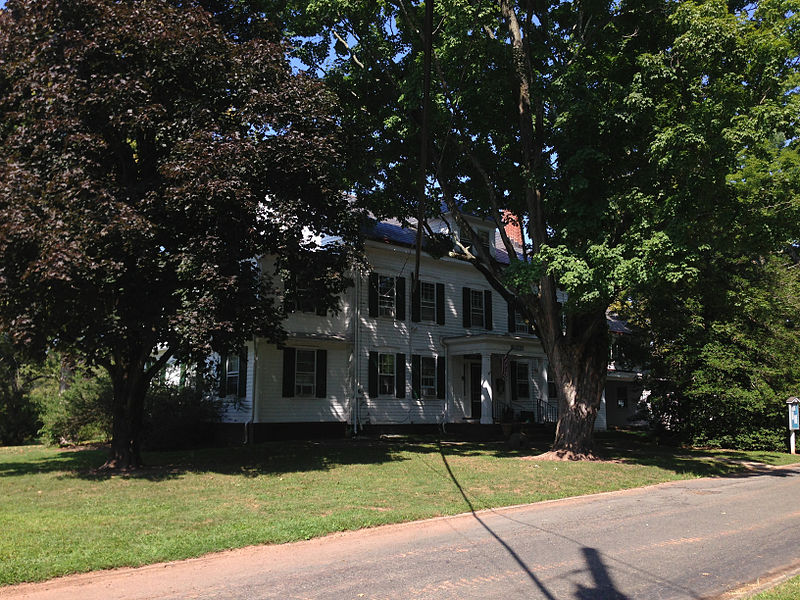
point(484, 229)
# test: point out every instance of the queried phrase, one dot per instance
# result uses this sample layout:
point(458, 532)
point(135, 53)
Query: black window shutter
point(243, 373)
point(372, 291)
point(415, 293)
point(440, 377)
point(440, 303)
point(487, 309)
point(289, 356)
point(466, 305)
point(223, 379)
point(512, 376)
point(400, 298)
point(416, 388)
point(400, 375)
point(322, 374)
point(372, 380)
point(512, 320)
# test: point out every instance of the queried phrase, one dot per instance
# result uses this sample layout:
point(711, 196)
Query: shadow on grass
point(273, 458)
point(639, 449)
point(251, 461)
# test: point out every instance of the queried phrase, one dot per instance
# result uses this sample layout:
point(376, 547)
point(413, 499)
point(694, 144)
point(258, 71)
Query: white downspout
point(448, 395)
point(356, 355)
point(252, 424)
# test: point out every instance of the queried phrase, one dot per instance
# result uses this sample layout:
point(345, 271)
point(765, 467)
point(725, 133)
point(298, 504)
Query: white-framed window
point(305, 373)
point(552, 390)
point(476, 308)
point(386, 295)
point(522, 382)
point(427, 377)
point(232, 375)
point(386, 374)
point(427, 301)
point(520, 324)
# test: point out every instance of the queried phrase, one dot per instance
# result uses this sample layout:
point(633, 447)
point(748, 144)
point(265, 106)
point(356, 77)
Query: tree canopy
point(147, 158)
point(629, 139)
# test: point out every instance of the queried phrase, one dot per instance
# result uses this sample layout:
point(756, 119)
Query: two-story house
point(446, 351)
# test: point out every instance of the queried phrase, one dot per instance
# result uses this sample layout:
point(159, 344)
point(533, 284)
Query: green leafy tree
point(629, 139)
point(147, 157)
point(19, 415)
point(724, 358)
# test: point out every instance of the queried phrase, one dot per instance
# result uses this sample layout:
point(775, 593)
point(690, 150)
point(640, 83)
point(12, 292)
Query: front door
point(475, 389)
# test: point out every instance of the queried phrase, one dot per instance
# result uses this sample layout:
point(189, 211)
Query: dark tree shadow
point(270, 458)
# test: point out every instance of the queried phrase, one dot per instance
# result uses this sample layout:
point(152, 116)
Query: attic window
point(483, 239)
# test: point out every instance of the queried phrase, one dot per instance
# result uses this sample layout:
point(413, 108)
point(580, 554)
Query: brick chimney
point(512, 227)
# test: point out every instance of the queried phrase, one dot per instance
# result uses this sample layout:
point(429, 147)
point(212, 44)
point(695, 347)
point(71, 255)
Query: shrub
point(19, 415)
point(178, 417)
point(80, 413)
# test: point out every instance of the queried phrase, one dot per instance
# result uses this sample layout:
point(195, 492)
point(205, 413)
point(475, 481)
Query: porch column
point(486, 389)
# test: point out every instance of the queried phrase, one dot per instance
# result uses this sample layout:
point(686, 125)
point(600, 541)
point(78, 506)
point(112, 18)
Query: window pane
point(386, 292)
point(552, 391)
point(305, 373)
point(483, 236)
point(476, 308)
point(520, 326)
point(523, 389)
point(232, 364)
point(622, 397)
point(232, 384)
point(386, 374)
point(428, 376)
point(427, 301)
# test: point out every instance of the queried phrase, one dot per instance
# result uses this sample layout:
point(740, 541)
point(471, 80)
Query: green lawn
point(789, 590)
point(58, 516)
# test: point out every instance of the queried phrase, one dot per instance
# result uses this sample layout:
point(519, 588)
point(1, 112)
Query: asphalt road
point(690, 539)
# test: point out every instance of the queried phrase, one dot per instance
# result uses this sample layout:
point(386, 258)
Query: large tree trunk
point(579, 365)
point(130, 388)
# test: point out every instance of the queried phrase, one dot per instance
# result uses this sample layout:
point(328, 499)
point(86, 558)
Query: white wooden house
point(452, 353)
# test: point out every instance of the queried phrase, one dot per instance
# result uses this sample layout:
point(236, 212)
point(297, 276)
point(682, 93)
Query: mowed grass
point(59, 516)
point(789, 590)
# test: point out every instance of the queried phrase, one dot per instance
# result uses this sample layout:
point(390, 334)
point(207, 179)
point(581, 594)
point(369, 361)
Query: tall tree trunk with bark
point(130, 377)
point(579, 364)
point(578, 356)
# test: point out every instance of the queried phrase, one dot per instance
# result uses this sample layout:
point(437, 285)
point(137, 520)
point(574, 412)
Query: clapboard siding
point(272, 407)
point(351, 334)
point(388, 335)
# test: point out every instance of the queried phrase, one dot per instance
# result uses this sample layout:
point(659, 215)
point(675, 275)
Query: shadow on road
point(603, 589)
